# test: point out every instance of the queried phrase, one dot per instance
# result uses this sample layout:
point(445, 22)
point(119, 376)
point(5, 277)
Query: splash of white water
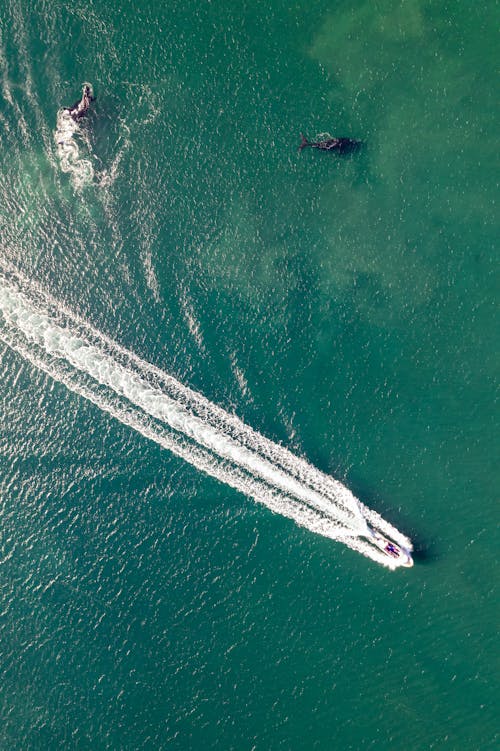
point(68, 151)
point(178, 418)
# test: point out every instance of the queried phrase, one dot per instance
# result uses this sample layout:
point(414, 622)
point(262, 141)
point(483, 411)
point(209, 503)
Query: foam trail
point(68, 152)
point(177, 418)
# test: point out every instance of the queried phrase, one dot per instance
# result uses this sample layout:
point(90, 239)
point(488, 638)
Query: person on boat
point(392, 550)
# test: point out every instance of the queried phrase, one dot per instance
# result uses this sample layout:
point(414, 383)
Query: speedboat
point(391, 549)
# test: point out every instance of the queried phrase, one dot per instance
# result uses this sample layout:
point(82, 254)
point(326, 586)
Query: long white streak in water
point(181, 420)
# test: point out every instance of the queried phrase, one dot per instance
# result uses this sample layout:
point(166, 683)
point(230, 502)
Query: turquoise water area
point(344, 307)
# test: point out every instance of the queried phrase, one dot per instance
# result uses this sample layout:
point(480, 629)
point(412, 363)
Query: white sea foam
point(68, 150)
point(181, 420)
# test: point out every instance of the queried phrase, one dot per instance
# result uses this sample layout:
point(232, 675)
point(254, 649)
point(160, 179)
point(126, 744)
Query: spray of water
point(162, 409)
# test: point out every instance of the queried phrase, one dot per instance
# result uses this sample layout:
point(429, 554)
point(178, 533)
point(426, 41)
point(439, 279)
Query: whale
point(340, 145)
point(80, 107)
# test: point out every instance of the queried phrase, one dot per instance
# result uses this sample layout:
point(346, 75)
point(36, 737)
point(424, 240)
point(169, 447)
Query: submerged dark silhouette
point(81, 106)
point(340, 145)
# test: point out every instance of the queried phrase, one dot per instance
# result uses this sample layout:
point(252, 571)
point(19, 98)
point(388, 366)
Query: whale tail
point(304, 142)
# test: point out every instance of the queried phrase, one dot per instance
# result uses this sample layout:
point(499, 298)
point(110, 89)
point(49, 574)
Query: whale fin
point(304, 142)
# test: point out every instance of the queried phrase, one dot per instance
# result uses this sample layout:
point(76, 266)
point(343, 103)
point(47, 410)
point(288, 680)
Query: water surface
point(342, 307)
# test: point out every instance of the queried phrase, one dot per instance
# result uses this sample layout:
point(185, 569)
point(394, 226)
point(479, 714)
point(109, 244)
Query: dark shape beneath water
point(339, 145)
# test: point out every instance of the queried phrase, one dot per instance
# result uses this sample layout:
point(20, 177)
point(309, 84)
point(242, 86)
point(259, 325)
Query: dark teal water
point(343, 307)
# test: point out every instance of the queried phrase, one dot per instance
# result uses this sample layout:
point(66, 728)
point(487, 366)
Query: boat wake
point(159, 407)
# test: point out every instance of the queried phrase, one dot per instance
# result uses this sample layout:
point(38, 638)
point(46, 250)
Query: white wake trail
point(179, 419)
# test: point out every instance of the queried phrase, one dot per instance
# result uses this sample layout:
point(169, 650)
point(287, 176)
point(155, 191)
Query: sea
point(219, 356)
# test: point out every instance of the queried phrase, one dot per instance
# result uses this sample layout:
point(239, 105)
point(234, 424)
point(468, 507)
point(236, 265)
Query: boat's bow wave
point(182, 420)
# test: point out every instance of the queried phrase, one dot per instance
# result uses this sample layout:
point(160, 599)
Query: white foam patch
point(68, 151)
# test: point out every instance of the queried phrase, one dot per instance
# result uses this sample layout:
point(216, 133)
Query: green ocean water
point(343, 307)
